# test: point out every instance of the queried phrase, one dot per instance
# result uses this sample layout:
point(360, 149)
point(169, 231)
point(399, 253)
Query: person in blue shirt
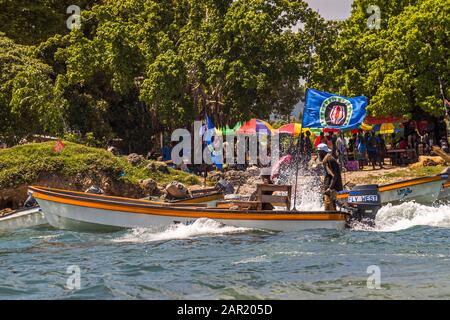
point(361, 148)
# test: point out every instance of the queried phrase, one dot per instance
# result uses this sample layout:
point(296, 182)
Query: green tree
point(147, 66)
point(29, 100)
point(398, 66)
point(34, 21)
point(415, 58)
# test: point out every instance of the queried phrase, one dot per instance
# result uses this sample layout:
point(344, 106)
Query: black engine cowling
point(363, 203)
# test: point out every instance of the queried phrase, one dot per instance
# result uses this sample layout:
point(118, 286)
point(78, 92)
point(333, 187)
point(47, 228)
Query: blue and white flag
point(327, 110)
point(212, 143)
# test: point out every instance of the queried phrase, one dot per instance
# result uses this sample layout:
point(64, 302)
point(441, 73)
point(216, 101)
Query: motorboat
point(34, 216)
point(73, 210)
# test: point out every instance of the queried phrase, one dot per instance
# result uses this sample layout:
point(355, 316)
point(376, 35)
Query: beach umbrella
point(227, 131)
point(366, 127)
point(255, 126)
point(293, 129)
point(385, 128)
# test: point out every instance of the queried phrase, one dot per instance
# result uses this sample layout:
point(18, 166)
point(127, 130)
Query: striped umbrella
point(227, 131)
point(293, 129)
point(386, 128)
point(255, 126)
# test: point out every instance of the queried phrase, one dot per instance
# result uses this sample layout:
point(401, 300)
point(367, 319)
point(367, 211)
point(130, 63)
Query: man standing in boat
point(333, 181)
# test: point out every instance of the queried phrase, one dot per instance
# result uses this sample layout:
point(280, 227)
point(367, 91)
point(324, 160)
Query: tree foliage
point(34, 21)
point(29, 99)
point(136, 68)
point(398, 67)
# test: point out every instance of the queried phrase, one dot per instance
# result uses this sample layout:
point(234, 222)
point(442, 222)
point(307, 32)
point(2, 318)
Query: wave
point(257, 259)
point(407, 215)
point(200, 227)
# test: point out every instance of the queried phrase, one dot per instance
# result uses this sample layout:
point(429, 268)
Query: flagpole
point(205, 166)
point(300, 146)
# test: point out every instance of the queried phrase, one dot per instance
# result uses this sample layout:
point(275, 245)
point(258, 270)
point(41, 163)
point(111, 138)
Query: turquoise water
point(206, 260)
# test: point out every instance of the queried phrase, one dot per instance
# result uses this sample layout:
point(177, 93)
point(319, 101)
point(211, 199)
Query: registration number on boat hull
point(363, 198)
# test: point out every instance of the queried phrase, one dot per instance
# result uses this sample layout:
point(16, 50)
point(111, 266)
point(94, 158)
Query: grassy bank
point(23, 165)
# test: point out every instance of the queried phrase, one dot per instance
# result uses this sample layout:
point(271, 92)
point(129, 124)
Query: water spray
point(298, 159)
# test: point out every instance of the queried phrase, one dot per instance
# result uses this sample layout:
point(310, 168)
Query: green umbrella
point(227, 131)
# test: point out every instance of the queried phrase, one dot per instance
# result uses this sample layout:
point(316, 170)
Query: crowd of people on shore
point(369, 148)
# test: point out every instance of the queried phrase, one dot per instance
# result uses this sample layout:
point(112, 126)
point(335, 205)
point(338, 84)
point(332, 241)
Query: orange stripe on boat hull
point(400, 185)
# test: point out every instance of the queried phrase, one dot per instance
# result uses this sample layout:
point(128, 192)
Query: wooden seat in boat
point(279, 201)
point(261, 198)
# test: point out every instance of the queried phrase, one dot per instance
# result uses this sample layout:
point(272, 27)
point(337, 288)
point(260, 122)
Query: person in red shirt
point(320, 139)
point(402, 144)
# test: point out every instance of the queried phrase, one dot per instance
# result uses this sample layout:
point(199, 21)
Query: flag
point(211, 142)
point(327, 110)
point(59, 146)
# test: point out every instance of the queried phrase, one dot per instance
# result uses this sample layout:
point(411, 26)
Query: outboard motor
point(30, 202)
point(363, 203)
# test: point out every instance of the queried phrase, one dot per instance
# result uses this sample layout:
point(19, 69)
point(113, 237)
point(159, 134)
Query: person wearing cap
point(333, 181)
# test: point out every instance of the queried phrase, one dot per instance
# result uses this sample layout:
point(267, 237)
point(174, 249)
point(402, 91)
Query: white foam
point(257, 259)
point(409, 214)
point(389, 218)
point(200, 227)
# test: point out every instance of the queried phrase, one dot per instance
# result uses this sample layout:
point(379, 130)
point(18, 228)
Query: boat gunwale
point(410, 182)
point(20, 212)
point(125, 199)
point(197, 212)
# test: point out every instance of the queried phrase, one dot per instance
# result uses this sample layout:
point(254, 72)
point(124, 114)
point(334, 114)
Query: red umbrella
point(255, 126)
point(293, 129)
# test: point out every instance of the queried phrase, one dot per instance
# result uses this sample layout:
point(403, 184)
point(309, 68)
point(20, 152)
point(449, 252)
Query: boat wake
point(200, 227)
point(407, 215)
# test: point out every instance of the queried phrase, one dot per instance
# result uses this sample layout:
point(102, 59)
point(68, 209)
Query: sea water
point(409, 249)
point(405, 256)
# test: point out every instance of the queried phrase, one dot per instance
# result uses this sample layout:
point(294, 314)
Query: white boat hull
point(426, 193)
point(23, 219)
point(66, 216)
